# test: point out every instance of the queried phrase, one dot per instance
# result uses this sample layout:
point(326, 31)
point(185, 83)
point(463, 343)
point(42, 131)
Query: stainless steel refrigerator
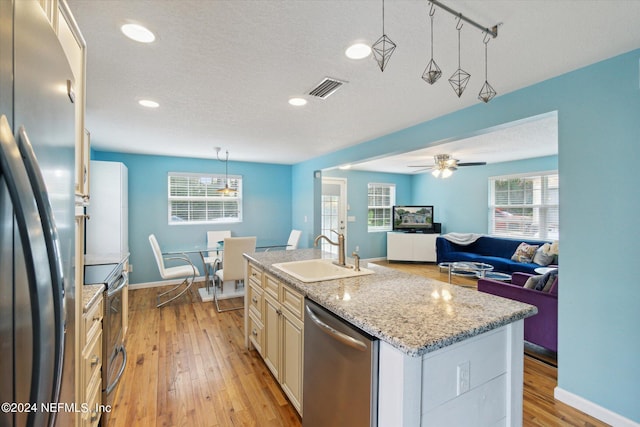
point(37, 324)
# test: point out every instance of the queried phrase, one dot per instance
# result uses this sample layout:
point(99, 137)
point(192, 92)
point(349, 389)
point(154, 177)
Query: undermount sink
point(317, 270)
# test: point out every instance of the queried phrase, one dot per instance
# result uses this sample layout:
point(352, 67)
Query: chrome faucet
point(340, 244)
point(356, 261)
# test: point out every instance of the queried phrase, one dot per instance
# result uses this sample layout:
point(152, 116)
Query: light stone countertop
point(414, 314)
point(90, 294)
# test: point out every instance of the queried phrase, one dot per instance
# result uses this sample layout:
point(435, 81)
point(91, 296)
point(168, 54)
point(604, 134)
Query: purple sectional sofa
point(541, 329)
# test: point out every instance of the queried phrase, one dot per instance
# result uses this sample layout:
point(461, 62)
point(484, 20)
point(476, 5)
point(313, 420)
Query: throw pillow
point(524, 253)
point(553, 274)
point(532, 282)
point(542, 255)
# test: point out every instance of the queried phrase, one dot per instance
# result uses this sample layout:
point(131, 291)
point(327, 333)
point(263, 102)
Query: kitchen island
point(447, 355)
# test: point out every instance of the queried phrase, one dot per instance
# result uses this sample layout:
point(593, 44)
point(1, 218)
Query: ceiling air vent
point(326, 87)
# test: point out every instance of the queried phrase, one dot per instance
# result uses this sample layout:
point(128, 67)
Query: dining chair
point(187, 271)
point(233, 265)
point(294, 238)
point(213, 257)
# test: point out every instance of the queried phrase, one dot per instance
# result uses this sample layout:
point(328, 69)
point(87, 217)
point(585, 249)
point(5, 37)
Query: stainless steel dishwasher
point(340, 372)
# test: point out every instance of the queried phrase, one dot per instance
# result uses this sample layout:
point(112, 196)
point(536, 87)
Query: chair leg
point(215, 299)
point(187, 281)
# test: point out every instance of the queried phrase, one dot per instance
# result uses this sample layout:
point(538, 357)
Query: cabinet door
point(399, 247)
point(292, 347)
point(424, 247)
point(272, 334)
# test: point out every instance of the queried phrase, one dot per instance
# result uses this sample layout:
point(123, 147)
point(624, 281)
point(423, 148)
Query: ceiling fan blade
point(420, 166)
point(472, 164)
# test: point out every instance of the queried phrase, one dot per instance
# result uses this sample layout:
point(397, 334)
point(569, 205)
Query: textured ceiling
point(223, 71)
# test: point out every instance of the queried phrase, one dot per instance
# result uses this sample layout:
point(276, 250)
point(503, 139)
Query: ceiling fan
point(444, 165)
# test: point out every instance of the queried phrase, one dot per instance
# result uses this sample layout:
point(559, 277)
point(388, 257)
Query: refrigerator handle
point(335, 334)
point(36, 264)
point(53, 251)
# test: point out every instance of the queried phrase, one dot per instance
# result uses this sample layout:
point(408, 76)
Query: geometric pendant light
point(432, 73)
point(486, 92)
point(384, 47)
point(460, 78)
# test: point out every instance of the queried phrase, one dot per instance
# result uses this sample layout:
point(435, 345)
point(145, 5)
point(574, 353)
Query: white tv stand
point(411, 246)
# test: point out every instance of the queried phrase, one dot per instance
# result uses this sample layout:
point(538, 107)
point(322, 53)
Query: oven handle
point(123, 280)
point(113, 385)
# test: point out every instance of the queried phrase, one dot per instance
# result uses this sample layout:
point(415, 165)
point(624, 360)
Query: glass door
point(334, 211)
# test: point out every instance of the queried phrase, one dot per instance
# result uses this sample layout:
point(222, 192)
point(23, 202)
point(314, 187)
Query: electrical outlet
point(357, 248)
point(463, 377)
point(130, 268)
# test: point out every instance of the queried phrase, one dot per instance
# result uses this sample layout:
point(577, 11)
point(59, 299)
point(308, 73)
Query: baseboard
point(593, 409)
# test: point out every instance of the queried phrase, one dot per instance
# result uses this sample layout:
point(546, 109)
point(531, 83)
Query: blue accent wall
point(374, 244)
point(266, 206)
point(598, 111)
point(461, 201)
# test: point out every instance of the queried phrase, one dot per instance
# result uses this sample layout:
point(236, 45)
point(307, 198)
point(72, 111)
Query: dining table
point(206, 253)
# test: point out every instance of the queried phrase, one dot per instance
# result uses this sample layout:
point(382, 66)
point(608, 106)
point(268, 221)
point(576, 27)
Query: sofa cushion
point(532, 282)
point(543, 255)
point(524, 253)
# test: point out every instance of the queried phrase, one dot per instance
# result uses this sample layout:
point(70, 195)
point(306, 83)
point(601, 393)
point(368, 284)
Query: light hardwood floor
point(188, 367)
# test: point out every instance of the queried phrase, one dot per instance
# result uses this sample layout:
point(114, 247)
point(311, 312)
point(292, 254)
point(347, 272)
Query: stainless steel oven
point(114, 354)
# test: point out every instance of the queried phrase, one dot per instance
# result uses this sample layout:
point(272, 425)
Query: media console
point(403, 246)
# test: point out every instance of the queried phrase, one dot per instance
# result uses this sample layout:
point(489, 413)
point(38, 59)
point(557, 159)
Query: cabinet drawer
point(255, 300)
point(256, 333)
point(93, 321)
point(91, 418)
point(254, 273)
point(272, 286)
point(293, 301)
point(92, 359)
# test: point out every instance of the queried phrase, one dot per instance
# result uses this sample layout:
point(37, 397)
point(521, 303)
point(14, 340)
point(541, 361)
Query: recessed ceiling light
point(148, 103)
point(358, 51)
point(138, 33)
point(298, 102)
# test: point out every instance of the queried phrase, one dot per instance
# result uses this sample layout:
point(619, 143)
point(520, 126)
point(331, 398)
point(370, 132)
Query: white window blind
point(525, 206)
point(381, 197)
point(196, 199)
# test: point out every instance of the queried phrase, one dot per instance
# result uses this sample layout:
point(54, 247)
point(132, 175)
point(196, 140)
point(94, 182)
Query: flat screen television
point(413, 218)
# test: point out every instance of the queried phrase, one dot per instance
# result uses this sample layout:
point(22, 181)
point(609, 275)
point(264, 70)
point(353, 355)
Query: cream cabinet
point(275, 327)
point(90, 392)
point(75, 49)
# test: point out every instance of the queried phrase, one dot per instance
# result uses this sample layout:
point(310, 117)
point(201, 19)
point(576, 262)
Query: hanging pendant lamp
point(460, 78)
point(226, 189)
point(486, 92)
point(383, 48)
point(432, 73)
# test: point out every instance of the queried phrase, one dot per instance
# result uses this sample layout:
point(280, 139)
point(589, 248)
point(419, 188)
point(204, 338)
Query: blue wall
point(266, 200)
point(599, 148)
point(460, 201)
point(374, 244)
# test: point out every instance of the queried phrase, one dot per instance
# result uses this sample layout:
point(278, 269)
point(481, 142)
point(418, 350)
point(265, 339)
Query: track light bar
point(493, 31)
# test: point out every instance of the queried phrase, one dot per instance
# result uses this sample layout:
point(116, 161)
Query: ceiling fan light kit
point(444, 165)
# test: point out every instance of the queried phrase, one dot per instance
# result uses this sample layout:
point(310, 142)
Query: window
point(196, 199)
point(382, 197)
point(524, 206)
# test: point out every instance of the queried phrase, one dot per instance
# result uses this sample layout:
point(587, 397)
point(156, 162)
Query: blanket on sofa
point(462, 238)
